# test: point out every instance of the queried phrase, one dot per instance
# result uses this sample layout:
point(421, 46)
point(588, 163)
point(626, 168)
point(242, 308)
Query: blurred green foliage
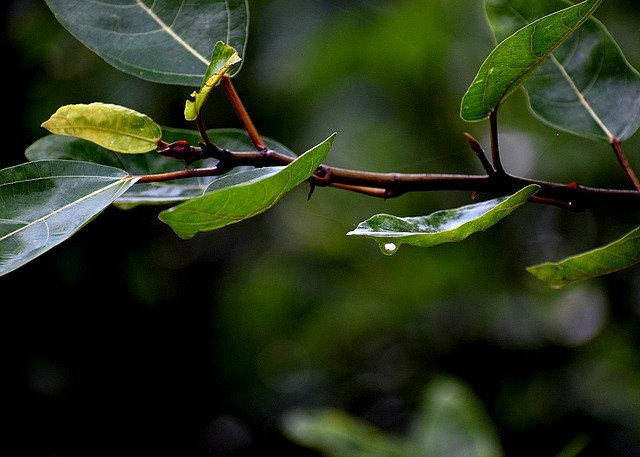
point(127, 337)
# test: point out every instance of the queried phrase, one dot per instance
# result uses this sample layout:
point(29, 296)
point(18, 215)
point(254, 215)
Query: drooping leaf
point(451, 225)
point(244, 198)
point(70, 148)
point(45, 202)
point(224, 57)
point(165, 41)
point(515, 58)
point(335, 433)
point(586, 87)
point(618, 255)
point(113, 127)
point(452, 421)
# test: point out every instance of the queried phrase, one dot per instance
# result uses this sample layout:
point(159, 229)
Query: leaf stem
point(495, 149)
point(242, 113)
point(477, 148)
point(626, 166)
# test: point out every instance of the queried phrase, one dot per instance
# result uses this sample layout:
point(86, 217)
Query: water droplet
point(389, 248)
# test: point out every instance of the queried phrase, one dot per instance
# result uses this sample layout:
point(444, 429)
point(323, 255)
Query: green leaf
point(515, 58)
point(442, 226)
point(164, 41)
point(113, 127)
point(586, 87)
point(618, 255)
point(45, 202)
point(337, 434)
point(70, 148)
point(239, 201)
point(452, 421)
point(224, 57)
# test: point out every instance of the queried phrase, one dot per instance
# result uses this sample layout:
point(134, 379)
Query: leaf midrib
point(172, 34)
point(574, 88)
point(118, 182)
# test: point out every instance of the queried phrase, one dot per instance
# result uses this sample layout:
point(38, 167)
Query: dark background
point(128, 340)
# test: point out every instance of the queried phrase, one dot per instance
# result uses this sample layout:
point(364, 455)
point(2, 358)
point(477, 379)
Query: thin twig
point(495, 150)
point(477, 148)
point(626, 166)
point(242, 113)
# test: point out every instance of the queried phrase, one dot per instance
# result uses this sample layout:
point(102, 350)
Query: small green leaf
point(515, 58)
point(618, 255)
point(442, 226)
point(243, 198)
point(224, 57)
point(47, 201)
point(586, 87)
point(113, 127)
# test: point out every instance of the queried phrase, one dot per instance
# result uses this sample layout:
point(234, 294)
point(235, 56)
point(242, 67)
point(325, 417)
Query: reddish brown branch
point(626, 166)
point(242, 113)
point(495, 150)
point(389, 185)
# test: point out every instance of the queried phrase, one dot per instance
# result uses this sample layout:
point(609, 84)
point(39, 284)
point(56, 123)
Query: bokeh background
point(126, 340)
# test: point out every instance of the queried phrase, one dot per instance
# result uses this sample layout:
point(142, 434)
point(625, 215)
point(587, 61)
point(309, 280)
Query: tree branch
point(390, 185)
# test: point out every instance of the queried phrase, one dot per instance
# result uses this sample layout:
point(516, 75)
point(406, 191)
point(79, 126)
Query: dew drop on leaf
point(388, 248)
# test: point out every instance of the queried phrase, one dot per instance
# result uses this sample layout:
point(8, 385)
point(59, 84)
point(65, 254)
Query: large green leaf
point(165, 41)
point(586, 87)
point(243, 198)
point(113, 127)
point(516, 57)
point(618, 255)
point(45, 202)
point(442, 226)
point(70, 148)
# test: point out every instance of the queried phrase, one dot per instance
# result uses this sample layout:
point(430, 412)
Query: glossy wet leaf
point(113, 127)
point(514, 59)
point(444, 226)
point(45, 202)
point(243, 198)
point(165, 41)
point(224, 57)
point(618, 255)
point(586, 87)
point(70, 148)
